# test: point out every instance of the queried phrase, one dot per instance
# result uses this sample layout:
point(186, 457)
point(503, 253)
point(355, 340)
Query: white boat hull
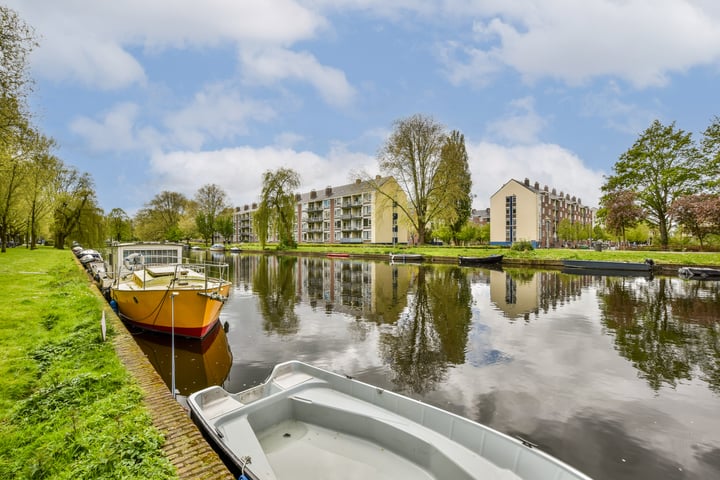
point(307, 423)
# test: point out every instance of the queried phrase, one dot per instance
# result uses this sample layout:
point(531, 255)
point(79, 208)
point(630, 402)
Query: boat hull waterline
point(647, 266)
point(309, 423)
point(489, 260)
point(195, 311)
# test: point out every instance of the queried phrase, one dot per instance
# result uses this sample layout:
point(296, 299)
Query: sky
point(157, 95)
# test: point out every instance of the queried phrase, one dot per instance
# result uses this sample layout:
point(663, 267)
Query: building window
point(510, 218)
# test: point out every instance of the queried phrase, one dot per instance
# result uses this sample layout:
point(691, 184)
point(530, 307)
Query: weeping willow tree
point(276, 212)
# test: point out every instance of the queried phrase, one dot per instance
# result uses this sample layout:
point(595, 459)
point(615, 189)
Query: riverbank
point(73, 405)
point(665, 261)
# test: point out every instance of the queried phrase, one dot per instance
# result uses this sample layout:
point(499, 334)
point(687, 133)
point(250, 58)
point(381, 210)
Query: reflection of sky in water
point(479, 349)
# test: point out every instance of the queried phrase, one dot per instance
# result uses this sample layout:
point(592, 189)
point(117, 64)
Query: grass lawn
point(68, 408)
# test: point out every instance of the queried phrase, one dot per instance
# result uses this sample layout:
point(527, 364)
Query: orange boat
point(155, 291)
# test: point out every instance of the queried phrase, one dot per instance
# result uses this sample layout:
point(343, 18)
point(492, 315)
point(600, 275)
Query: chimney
point(537, 185)
point(313, 194)
point(527, 182)
point(328, 191)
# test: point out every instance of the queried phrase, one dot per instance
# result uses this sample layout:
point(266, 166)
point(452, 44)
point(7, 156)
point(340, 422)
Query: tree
point(276, 210)
point(699, 214)
point(710, 146)
point(662, 165)
point(413, 156)
point(17, 40)
point(620, 211)
point(74, 202)
point(224, 224)
point(119, 224)
point(454, 166)
point(41, 169)
point(211, 200)
point(159, 219)
point(14, 155)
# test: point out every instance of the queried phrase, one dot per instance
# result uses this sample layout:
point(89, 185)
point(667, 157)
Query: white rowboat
point(308, 423)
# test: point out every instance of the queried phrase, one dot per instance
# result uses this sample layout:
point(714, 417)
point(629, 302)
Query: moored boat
point(337, 255)
point(699, 273)
point(406, 257)
point(305, 423)
point(217, 247)
point(155, 291)
point(490, 259)
point(645, 266)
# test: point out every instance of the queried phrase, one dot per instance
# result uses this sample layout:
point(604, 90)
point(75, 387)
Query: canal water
point(617, 376)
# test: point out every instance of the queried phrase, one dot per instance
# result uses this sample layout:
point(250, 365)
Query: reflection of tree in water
point(432, 330)
point(274, 284)
point(666, 331)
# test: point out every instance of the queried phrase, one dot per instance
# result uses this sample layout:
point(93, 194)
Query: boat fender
point(133, 261)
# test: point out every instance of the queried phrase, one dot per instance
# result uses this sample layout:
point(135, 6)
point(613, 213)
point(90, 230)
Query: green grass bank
point(69, 409)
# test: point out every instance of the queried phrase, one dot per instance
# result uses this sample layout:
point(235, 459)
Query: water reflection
point(198, 363)
point(667, 328)
point(620, 376)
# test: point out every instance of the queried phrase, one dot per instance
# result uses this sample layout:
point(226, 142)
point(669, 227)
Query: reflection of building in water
point(518, 293)
point(374, 291)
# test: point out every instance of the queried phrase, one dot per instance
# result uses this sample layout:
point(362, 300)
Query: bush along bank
point(68, 408)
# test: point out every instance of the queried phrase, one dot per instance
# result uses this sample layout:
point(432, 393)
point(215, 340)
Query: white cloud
point(216, 113)
point(265, 65)
point(239, 170)
point(492, 165)
point(116, 130)
point(521, 125)
point(640, 41)
point(90, 42)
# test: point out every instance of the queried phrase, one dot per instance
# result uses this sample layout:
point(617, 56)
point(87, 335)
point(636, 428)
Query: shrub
point(522, 246)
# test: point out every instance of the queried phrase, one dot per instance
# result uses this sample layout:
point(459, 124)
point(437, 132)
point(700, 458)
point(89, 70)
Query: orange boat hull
point(189, 313)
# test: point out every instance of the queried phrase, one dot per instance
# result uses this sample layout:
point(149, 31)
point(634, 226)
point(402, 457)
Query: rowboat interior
point(308, 424)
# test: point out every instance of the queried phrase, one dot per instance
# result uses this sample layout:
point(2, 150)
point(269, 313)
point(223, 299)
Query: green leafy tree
point(211, 201)
point(566, 230)
point(42, 167)
point(710, 147)
point(224, 225)
point(413, 156)
point(276, 210)
point(17, 40)
point(119, 224)
point(620, 211)
point(74, 207)
point(662, 165)
point(454, 166)
point(159, 219)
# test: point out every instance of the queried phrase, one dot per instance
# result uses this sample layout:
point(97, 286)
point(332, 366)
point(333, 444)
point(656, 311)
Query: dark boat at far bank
point(489, 260)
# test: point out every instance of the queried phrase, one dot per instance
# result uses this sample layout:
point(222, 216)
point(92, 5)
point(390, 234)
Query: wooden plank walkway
point(184, 446)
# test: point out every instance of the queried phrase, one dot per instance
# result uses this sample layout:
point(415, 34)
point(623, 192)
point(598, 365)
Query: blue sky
point(160, 95)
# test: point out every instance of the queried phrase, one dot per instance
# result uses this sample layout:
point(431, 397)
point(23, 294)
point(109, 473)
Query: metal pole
point(172, 340)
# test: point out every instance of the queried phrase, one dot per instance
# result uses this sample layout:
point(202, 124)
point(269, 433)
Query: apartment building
point(359, 212)
point(526, 212)
point(243, 223)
